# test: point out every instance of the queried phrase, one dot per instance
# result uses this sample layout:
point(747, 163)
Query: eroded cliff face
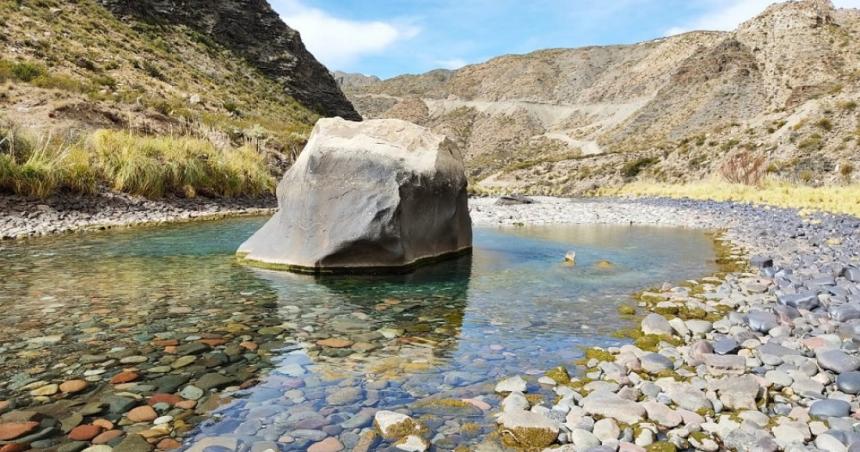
point(785, 86)
point(256, 33)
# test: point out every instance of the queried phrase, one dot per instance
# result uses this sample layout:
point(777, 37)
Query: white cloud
point(339, 42)
point(453, 63)
point(727, 15)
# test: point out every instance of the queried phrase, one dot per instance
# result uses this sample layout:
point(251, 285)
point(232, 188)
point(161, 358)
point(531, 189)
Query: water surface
point(444, 333)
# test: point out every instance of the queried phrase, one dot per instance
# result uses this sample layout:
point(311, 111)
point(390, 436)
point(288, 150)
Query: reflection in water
point(337, 347)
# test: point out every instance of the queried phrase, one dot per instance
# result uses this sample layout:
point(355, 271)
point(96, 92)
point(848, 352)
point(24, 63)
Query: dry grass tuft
point(835, 199)
point(141, 165)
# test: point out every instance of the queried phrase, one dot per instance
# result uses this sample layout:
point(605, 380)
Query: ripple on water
point(275, 357)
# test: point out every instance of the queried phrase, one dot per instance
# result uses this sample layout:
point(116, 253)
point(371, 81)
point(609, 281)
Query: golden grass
point(843, 199)
point(126, 162)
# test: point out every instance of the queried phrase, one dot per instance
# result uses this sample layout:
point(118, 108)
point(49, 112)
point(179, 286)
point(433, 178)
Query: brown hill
point(783, 88)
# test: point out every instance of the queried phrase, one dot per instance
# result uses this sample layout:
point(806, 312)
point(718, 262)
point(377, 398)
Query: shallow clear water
point(449, 331)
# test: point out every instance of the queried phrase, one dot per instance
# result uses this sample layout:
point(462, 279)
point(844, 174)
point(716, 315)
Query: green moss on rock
point(559, 375)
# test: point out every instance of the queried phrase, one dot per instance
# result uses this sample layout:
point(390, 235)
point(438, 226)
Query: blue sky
point(392, 37)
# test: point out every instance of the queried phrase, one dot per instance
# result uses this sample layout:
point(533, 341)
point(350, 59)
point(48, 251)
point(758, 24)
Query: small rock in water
point(512, 384)
point(526, 429)
point(392, 425)
point(412, 443)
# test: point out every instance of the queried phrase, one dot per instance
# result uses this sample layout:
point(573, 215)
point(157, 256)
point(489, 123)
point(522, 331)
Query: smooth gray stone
point(761, 261)
point(830, 408)
point(837, 361)
point(845, 312)
point(803, 300)
point(655, 362)
point(725, 346)
point(656, 324)
point(849, 382)
point(382, 194)
point(821, 282)
point(761, 321)
point(852, 274)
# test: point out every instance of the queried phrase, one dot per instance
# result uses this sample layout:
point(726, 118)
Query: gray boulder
point(374, 195)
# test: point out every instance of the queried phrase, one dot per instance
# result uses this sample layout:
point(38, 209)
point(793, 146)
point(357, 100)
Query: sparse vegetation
point(131, 163)
point(846, 170)
point(744, 168)
point(632, 168)
point(848, 105)
point(838, 199)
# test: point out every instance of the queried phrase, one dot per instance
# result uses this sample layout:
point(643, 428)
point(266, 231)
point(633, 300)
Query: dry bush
point(744, 168)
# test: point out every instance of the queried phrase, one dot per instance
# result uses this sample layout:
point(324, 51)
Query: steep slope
point(228, 74)
point(784, 86)
point(255, 32)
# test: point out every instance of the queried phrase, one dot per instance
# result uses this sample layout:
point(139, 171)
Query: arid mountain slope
point(255, 32)
point(229, 72)
point(784, 86)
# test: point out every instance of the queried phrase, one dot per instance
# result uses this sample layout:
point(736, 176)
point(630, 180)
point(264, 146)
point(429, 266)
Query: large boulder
point(374, 195)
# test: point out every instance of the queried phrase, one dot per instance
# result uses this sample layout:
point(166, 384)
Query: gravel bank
point(22, 217)
point(761, 358)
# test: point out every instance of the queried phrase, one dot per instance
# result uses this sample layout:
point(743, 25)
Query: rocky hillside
point(783, 89)
point(230, 73)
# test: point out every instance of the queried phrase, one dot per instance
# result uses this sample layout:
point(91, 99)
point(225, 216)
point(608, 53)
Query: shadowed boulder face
point(376, 195)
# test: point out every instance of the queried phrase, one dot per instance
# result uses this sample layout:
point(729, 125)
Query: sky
point(392, 37)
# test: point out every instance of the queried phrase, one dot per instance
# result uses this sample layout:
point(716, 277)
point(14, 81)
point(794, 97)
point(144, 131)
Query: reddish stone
point(168, 444)
point(170, 399)
point(165, 343)
point(335, 342)
point(171, 349)
point(108, 436)
point(187, 404)
point(104, 423)
point(124, 377)
point(3, 405)
point(84, 432)
point(213, 342)
point(12, 430)
point(142, 414)
point(73, 386)
point(14, 448)
point(480, 404)
point(330, 444)
point(252, 346)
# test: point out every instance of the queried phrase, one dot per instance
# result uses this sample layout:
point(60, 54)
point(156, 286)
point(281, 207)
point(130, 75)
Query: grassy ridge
point(836, 199)
point(131, 163)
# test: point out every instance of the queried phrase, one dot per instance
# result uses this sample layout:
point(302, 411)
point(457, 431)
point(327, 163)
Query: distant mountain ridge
point(784, 86)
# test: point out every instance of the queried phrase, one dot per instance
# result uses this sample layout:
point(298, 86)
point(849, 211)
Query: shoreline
point(22, 218)
point(763, 357)
point(737, 360)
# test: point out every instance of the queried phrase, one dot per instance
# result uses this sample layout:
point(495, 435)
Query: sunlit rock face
point(380, 195)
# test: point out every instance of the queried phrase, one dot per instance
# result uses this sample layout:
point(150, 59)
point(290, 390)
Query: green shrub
point(632, 168)
point(27, 72)
point(812, 143)
point(153, 71)
point(848, 105)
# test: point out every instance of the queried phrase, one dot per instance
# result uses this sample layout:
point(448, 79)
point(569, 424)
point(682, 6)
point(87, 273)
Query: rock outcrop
point(255, 32)
point(377, 195)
